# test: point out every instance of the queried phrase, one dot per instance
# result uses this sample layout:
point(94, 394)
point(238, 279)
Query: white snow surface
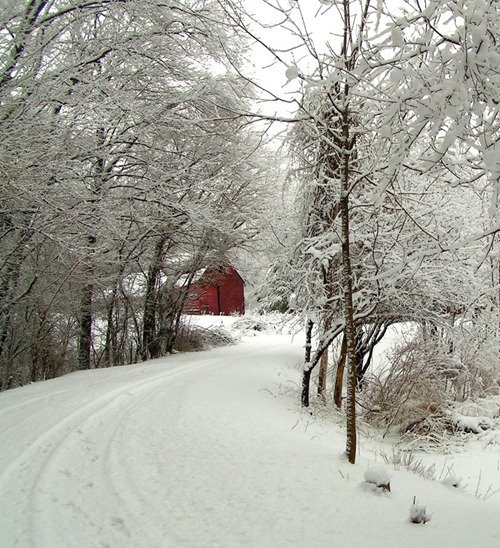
point(208, 449)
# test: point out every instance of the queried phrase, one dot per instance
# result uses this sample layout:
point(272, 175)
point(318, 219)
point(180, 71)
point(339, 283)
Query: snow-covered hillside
point(211, 449)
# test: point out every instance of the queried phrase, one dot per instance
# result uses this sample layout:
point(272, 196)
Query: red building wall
point(231, 293)
point(220, 291)
point(201, 300)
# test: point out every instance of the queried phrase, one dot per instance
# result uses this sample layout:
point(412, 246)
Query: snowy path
point(197, 450)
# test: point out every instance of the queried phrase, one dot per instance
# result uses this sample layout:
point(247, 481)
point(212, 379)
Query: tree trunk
point(350, 334)
point(113, 351)
point(111, 328)
point(323, 368)
point(350, 330)
point(85, 328)
point(367, 343)
point(85, 317)
point(149, 336)
point(9, 282)
point(339, 377)
point(306, 375)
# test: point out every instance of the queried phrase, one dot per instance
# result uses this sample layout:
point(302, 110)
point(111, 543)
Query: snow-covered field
point(211, 449)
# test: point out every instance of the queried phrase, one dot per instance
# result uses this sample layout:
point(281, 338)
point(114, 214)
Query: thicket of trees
point(395, 154)
point(124, 166)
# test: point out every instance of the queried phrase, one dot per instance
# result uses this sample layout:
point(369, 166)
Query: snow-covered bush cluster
point(192, 338)
point(253, 323)
point(378, 476)
point(412, 393)
point(418, 513)
point(431, 381)
point(480, 417)
point(400, 458)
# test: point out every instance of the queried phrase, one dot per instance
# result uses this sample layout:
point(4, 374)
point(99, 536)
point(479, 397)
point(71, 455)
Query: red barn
point(218, 290)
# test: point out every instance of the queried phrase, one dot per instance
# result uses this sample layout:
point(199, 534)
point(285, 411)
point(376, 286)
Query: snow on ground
point(208, 449)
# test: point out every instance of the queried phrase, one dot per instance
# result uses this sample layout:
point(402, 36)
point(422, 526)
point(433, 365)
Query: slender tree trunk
point(85, 320)
point(85, 330)
point(323, 364)
point(5, 316)
point(39, 344)
point(350, 330)
point(85, 315)
point(112, 355)
point(323, 368)
point(86, 304)
point(367, 343)
point(350, 334)
point(306, 375)
point(361, 349)
point(339, 376)
point(9, 282)
point(110, 344)
point(172, 306)
point(149, 335)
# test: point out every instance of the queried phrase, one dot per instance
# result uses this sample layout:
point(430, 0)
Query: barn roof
point(184, 279)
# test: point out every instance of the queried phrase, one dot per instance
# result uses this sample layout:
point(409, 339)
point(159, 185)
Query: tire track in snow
point(135, 492)
point(133, 516)
point(8, 411)
point(134, 504)
point(47, 450)
point(172, 473)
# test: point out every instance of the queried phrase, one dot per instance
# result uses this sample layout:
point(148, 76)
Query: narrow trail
point(203, 449)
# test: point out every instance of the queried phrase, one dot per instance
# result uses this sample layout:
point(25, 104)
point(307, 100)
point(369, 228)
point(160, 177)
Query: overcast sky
point(321, 21)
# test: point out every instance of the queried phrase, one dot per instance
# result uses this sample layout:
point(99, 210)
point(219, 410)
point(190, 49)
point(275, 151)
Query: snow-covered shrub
point(249, 325)
point(481, 407)
point(480, 417)
point(451, 480)
point(195, 338)
point(408, 459)
point(378, 476)
point(476, 346)
point(411, 395)
point(252, 323)
point(475, 425)
point(418, 513)
point(428, 376)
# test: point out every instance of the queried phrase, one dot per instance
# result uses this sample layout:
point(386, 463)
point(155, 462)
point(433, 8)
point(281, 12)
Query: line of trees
point(124, 165)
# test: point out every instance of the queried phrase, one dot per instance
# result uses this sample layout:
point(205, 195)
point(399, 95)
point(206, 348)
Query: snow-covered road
point(144, 455)
point(202, 450)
